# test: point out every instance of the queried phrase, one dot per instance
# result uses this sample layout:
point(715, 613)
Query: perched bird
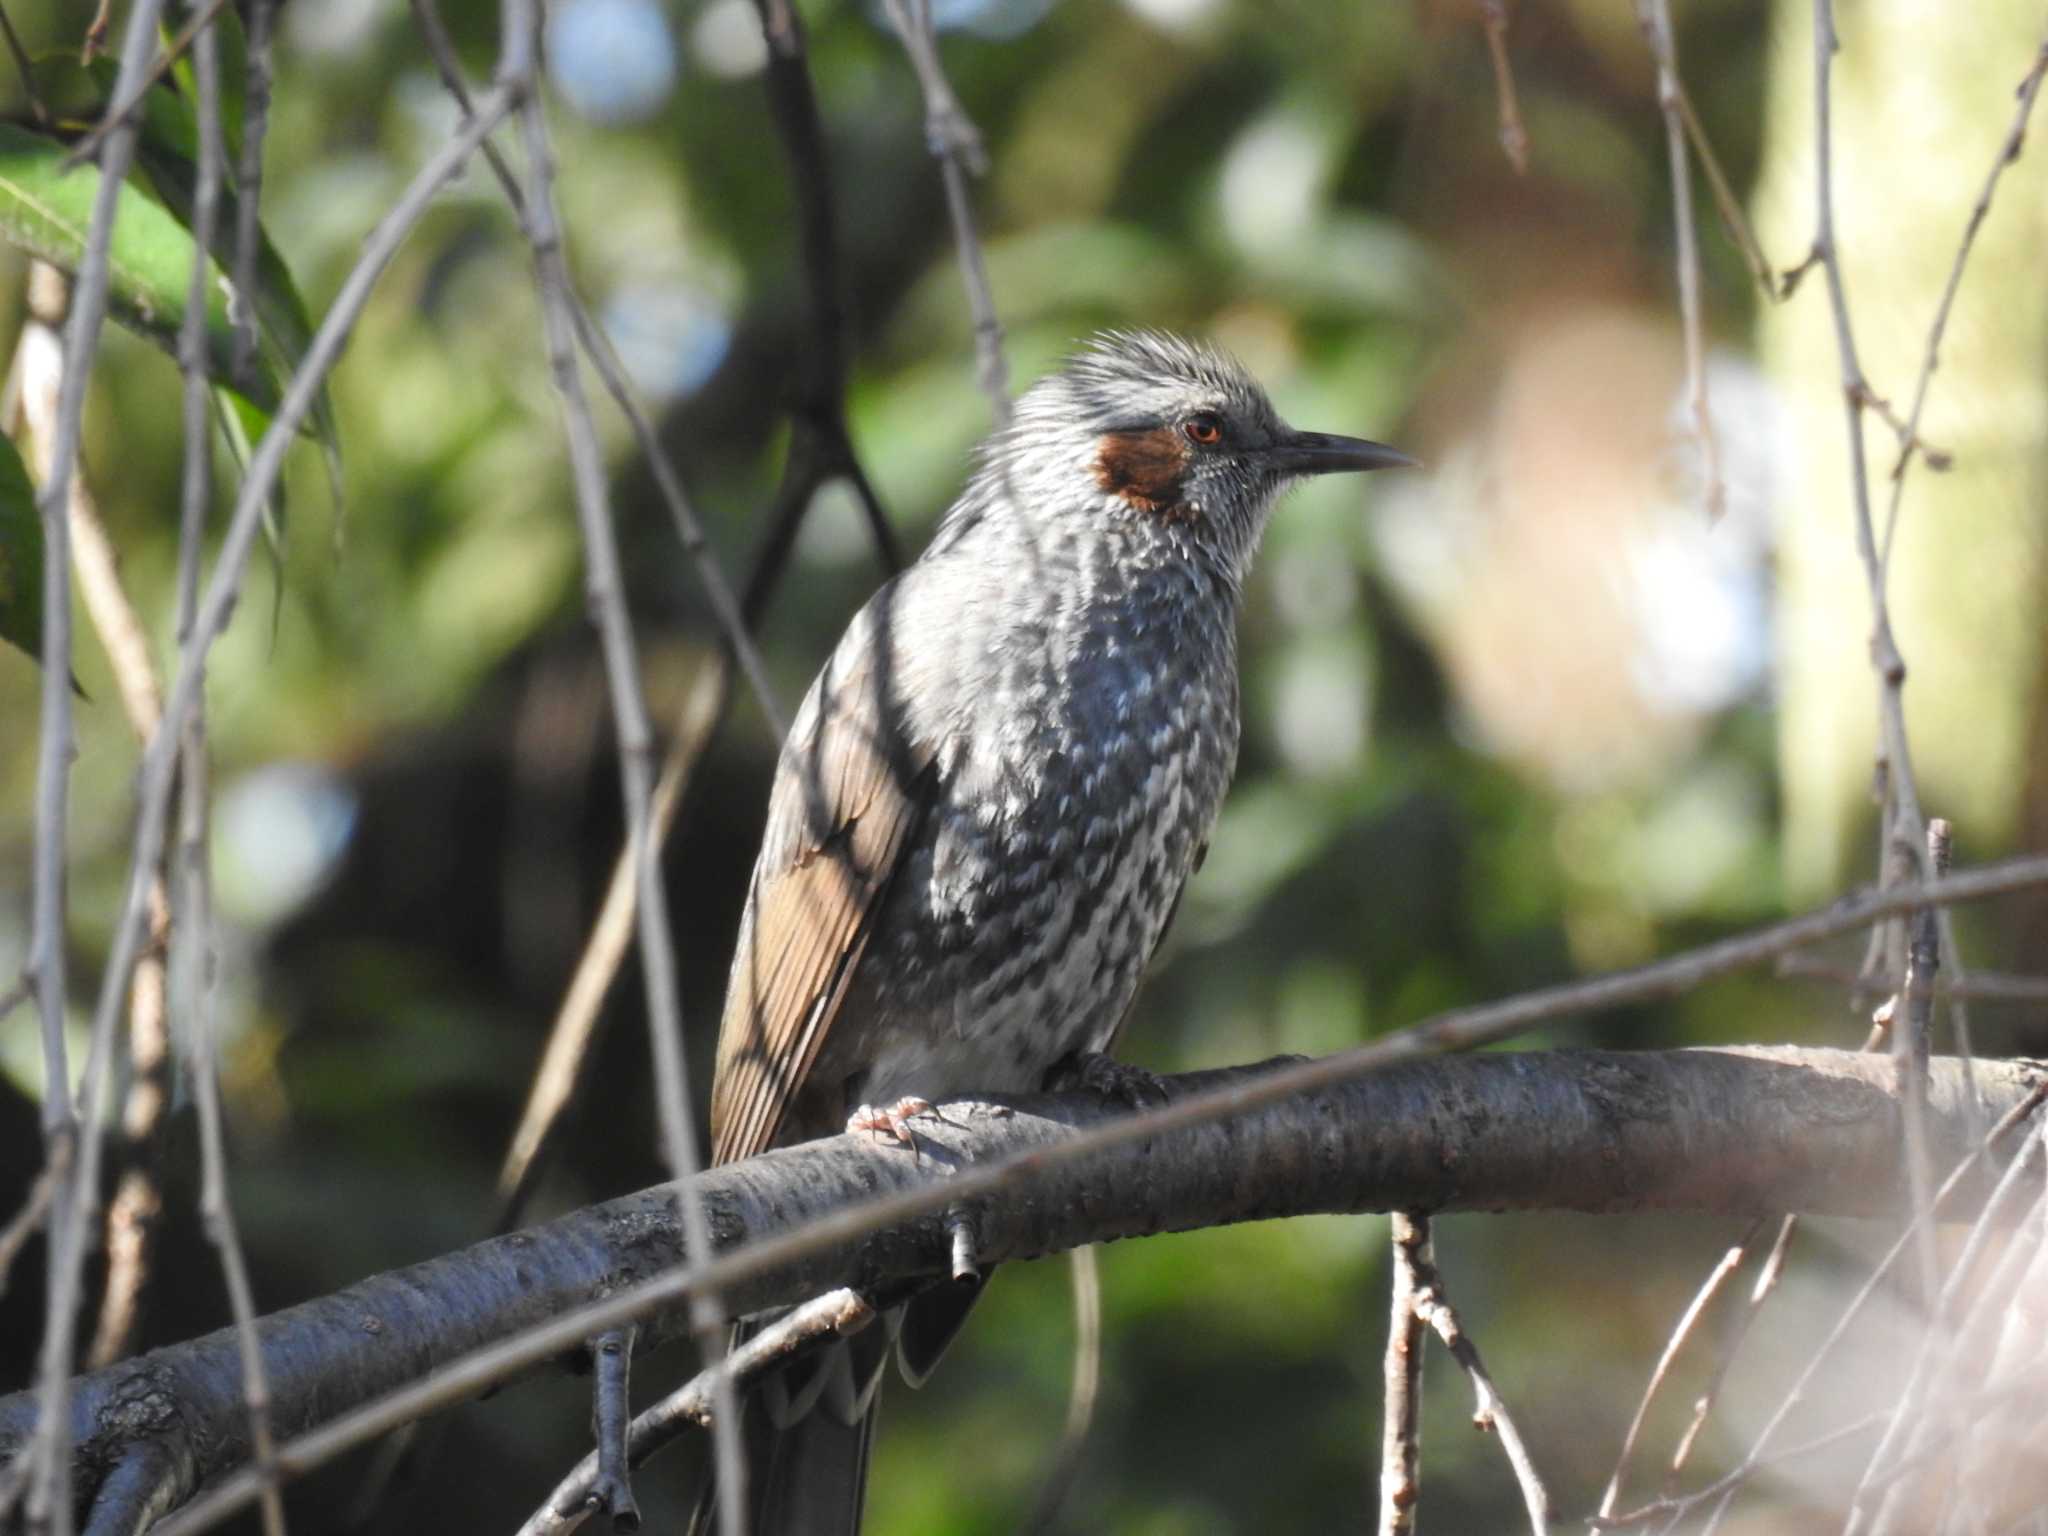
point(988, 805)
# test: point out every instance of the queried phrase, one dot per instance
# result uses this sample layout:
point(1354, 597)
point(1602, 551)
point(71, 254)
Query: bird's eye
point(1203, 427)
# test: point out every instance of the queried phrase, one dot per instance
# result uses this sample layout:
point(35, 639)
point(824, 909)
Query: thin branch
point(1401, 1371)
point(821, 448)
point(1432, 1304)
point(836, 1314)
point(29, 1219)
point(1870, 1288)
point(1688, 1320)
point(1678, 1508)
point(1058, 1481)
point(611, 1416)
point(197, 970)
point(216, 1209)
point(87, 145)
point(1930, 1365)
point(1982, 987)
point(1901, 817)
point(1911, 1047)
point(1766, 1285)
point(1895, 763)
point(2008, 153)
point(1726, 203)
point(1654, 16)
point(1908, 431)
point(956, 144)
point(605, 589)
point(1941, 858)
point(1514, 137)
point(24, 69)
point(262, 16)
point(50, 1490)
point(36, 388)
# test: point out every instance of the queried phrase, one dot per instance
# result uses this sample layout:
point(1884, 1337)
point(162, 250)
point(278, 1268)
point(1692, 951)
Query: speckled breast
point(1071, 811)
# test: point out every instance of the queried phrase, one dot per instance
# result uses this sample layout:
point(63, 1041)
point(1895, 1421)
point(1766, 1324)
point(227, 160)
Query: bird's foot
point(894, 1119)
point(1113, 1079)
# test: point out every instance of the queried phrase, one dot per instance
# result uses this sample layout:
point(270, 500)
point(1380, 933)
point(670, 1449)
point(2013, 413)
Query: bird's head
point(1168, 430)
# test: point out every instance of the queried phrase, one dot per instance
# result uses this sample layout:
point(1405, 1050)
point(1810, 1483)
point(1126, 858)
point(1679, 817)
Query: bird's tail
point(805, 1434)
point(806, 1430)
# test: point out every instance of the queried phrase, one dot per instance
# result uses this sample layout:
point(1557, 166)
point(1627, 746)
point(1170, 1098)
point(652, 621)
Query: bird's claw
point(894, 1119)
point(1113, 1079)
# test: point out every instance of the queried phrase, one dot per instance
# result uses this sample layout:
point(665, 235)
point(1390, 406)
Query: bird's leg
point(895, 1119)
point(1104, 1074)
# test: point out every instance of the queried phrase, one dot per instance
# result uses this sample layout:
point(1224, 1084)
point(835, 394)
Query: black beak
point(1322, 453)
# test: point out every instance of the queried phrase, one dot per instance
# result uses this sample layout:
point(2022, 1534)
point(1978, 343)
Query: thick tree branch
point(1733, 1131)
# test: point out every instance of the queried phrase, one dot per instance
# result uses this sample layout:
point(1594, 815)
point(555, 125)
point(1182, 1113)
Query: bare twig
point(1895, 763)
point(1767, 1279)
point(1756, 1454)
point(1901, 818)
point(25, 1221)
point(956, 144)
point(1930, 1361)
point(197, 971)
point(821, 449)
point(1941, 856)
point(198, 992)
point(50, 1490)
point(37, 383)
point(1654, 16)
point(1911, 1047)
point(2008, 152)
point(1514, 136)
point(1058, 1481)
point(611, 1413)
point(605, 589)
point(262, 15)
point(123, 106)
point(1982, 987)
point(1432, 1305)
point(1726, 203)
point(1401, 1411)
point(23, 68)
point(1730, 1482)
point(1688, 1320)
point(833, 1315)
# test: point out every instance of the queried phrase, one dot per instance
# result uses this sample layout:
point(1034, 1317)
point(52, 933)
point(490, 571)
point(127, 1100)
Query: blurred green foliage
point(1444, 795)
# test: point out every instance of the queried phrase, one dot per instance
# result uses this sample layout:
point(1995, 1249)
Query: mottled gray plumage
point(999, 784)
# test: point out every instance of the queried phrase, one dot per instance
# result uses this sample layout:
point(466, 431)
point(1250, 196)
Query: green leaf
point(21, 554)
point(167, 155)
point(242, 426)
point(167, 152)
point(46, 211)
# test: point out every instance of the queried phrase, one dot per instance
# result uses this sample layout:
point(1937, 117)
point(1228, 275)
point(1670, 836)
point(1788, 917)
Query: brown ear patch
point(1147, 469)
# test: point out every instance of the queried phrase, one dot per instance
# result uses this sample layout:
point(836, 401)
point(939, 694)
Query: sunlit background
point(1523, 715)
